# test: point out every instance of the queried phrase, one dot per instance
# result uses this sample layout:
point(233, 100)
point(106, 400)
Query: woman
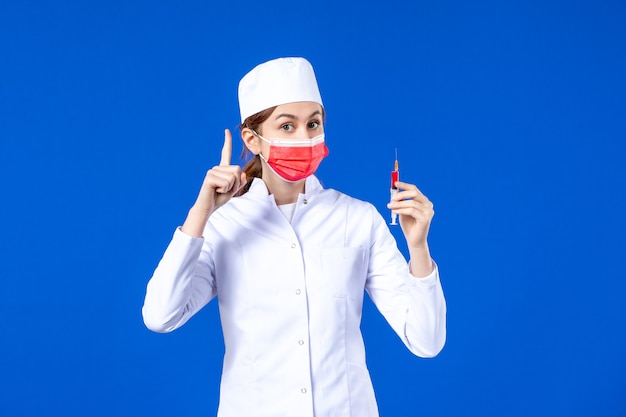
point(289, 262)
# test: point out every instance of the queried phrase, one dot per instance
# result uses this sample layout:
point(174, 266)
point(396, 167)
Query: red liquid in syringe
point(395, 176)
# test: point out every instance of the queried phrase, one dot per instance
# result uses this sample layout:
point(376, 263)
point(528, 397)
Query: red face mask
point(295, 159)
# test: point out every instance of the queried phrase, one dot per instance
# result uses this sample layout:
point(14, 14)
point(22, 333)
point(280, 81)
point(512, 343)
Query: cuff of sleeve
point(431, 279)
point(182, 239)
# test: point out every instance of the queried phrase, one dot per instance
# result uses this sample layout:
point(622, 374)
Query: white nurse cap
point(276, 82)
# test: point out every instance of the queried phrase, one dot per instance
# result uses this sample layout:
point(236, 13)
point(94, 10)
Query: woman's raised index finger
point(227, 149)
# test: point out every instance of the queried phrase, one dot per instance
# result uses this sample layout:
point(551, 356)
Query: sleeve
point(181, 285)
point(414, 307)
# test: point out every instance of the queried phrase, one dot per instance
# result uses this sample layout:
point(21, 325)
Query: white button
point(303, 390)
point(298, 292)
point(300, 342)
point(293, 245)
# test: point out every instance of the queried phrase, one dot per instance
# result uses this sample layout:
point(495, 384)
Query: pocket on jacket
point(344, 271)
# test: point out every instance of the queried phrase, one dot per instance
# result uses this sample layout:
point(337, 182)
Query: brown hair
point(253, 169)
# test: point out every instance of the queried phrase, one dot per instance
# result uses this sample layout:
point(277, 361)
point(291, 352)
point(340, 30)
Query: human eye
point(287, 127)
point(314, 124)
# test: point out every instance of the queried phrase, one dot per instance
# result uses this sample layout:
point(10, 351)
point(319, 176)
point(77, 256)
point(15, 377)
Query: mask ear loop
point(265, 140)
point(259, 136)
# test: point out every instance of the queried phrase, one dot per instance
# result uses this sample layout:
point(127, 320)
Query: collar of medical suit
point(258, 189)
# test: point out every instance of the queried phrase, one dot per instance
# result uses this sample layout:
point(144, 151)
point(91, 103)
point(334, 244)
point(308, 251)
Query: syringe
point(395, 176)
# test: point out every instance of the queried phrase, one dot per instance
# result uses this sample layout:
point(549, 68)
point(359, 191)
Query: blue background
point(510, 116)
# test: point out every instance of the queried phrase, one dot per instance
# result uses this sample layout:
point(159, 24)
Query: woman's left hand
point(415, 211)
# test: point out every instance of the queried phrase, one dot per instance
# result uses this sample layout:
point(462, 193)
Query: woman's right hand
point(220, 184)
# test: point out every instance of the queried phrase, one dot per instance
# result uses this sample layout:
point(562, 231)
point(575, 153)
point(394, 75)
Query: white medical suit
point(290, 299)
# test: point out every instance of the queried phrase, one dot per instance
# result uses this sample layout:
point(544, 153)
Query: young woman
point(289, 262)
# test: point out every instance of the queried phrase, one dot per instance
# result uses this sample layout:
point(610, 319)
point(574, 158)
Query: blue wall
point(510, 116)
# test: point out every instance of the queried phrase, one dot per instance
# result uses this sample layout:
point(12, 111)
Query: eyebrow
point(291, 116)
